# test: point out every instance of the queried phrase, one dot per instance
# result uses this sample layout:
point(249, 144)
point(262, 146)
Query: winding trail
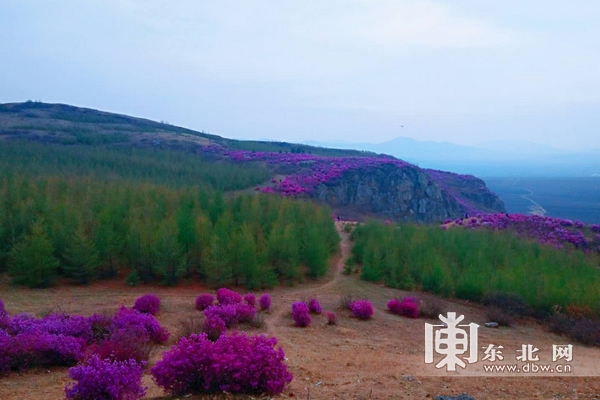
point(535, 208)
point(346, 247)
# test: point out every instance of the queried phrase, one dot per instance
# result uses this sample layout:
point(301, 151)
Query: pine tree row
point(85, 229)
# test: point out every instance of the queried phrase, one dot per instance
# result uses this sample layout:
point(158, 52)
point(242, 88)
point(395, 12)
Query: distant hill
point(489, 159)
point(355, 183)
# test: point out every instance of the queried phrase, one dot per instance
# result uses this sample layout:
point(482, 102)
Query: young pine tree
point(169, 257)
point(32, 262)
point(81, 258)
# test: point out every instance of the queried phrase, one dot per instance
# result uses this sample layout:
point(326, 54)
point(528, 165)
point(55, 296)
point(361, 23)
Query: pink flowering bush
point(362, 309)
point(227, 296)
point(145, 324)
point(265, 302)
point(123, 345)
point(204, 300)
point(408, 307)
point(213, 326)
point(331, 318)
point(250, 299)
point(147, 304)
point(300, 314)
point(234, 364)
point(27, 350)
point(106, 380)
point(231, 314)
point(314, 306)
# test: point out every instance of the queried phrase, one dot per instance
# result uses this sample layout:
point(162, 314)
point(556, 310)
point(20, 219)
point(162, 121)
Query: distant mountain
point(489, 159)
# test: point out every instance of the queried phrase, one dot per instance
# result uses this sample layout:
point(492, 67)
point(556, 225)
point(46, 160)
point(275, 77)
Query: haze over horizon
point(328, 71)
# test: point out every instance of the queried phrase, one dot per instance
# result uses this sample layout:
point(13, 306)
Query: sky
point(462, 71)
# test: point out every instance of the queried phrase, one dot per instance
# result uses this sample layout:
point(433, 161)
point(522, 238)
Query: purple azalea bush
point(331, 318)
point(147, 304)
point(314, 306)
point(362, 309)
point(250, 299)
point(227, 296)
point(107, 380)
point(204, 300)
point(408, 307)
point(300, 314)
point(234, 364)
point(144, 324)
point(265, 302)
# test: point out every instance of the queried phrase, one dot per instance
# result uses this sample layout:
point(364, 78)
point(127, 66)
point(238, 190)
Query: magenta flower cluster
point(204, 300)
point(147, 304)
point(362, 309)
point(265, 302)
point(235, 364)
point(301, 314)
point(229, 311)
point(227, 296)
point(145, 325)
point(550, 231)
point(104, 379)
point(63, 339)
point(331, 318)
point(250, 299)
point(408, 307)
point(314, 306)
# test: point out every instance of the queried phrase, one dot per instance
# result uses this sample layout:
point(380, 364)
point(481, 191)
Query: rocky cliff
point(407, 193)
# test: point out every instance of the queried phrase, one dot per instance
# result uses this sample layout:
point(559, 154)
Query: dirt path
point(345, 252)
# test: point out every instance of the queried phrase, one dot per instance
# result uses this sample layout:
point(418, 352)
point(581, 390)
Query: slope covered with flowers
point(304, 172)
point(555, 232)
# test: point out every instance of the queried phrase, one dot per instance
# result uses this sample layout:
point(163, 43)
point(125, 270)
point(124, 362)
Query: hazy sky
point(355, 70)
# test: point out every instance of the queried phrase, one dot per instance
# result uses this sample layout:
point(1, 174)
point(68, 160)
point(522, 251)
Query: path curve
point(346, 249)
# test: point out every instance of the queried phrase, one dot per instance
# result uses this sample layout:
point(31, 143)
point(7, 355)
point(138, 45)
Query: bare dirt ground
point(382, 358)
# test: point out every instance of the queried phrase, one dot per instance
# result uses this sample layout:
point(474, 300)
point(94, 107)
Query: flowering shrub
point(227, 313)
point(300, 314)
point(362, 309)
point(123, 345)
point(409, 307)
point(231, 314)
point(226, 296)
point(394, 306)
point(314, 306)
point(214, 327)
point(235, 364)
point(554, 232)
point(57, 324)
point(245, 312)
point(105, 379)
point(331, 318)
point(204, 300)
point(147, 304)
point(265, 302)
point(250, 299)
point(144, 324)
point(30, 349)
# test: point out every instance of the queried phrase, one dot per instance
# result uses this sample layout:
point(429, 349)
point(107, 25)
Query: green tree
point(32, 262)
point(81, 258)
point(169, 256)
